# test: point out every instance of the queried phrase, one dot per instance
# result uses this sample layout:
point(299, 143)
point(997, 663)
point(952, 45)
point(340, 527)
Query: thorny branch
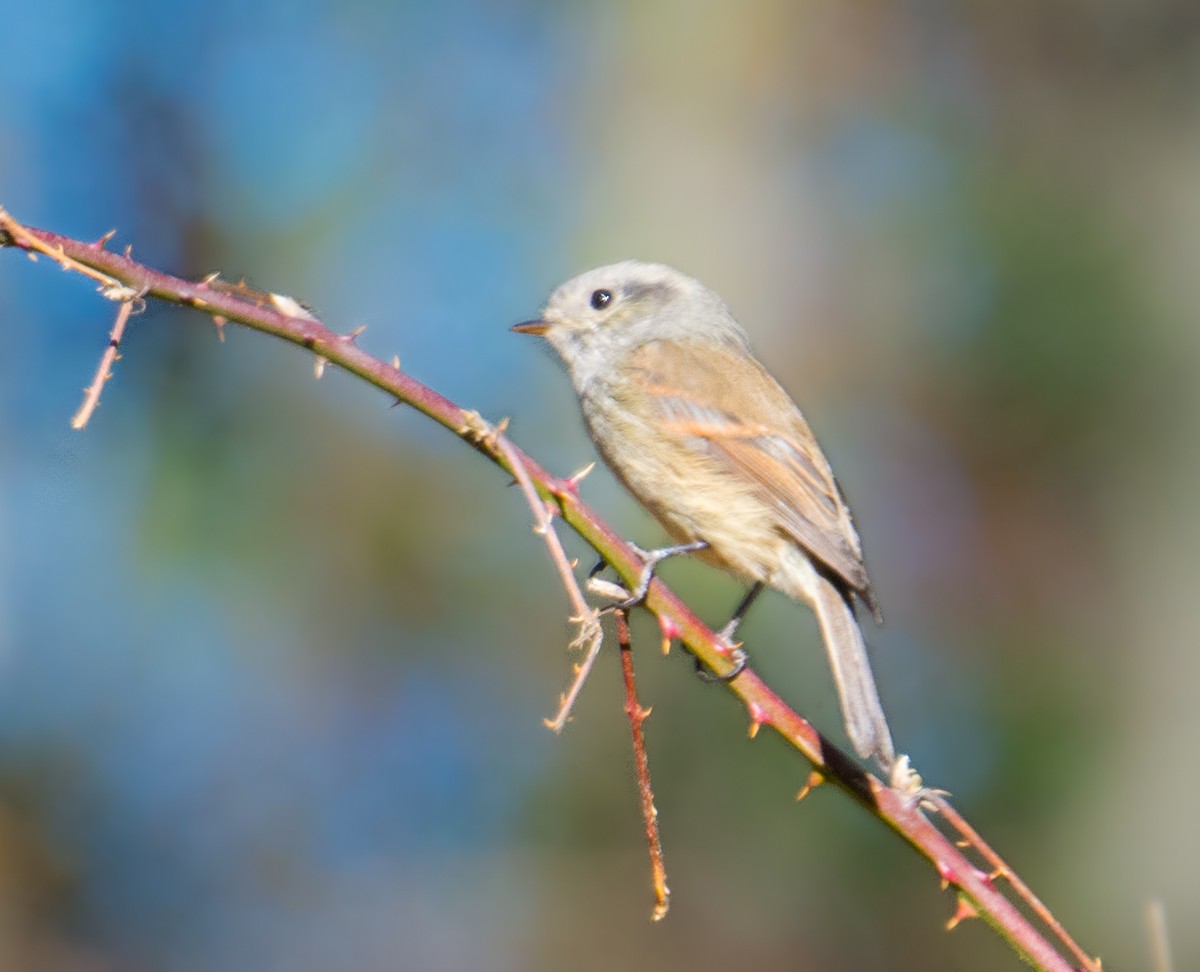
point(977, 892)
point(91, 394)
point(638, 715)
point(591, 635)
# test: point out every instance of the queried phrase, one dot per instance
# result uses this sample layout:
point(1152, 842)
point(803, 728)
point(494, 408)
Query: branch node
point(477, 429)
point(120, 292)
point(289, 306)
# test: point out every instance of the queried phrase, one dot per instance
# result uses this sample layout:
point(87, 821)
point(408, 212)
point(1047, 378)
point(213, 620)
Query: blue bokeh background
point(274, 657)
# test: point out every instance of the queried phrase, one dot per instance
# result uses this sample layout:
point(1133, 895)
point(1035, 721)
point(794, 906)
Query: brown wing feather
point(728, 405)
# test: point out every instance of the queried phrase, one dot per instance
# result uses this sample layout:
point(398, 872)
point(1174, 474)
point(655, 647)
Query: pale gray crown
point(610, 310)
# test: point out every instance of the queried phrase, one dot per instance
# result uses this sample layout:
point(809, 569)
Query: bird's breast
point(692, 494)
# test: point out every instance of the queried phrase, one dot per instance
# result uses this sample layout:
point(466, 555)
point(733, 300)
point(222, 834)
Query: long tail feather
point(861, 709)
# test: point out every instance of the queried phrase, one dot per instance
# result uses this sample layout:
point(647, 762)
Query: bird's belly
point(695, 497)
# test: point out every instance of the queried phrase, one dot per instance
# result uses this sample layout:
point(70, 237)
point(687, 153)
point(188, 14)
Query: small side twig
point(591, 635)
point(637, 715)
point(999, 869)
point(91, 394)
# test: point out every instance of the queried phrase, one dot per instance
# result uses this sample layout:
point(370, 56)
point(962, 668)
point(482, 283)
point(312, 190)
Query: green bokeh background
point(274, 658)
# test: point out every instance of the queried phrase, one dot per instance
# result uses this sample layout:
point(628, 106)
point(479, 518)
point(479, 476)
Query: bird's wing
point(722, 401)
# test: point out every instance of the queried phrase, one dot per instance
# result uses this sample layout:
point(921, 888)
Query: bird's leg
point(726, 636)
point(652, 559)
point(726, 633)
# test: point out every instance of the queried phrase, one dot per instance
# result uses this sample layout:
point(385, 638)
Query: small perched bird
point(702, 435)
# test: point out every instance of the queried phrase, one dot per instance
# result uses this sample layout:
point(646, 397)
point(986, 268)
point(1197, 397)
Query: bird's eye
point(601, 299)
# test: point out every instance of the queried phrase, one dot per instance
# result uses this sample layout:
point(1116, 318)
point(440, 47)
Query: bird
point(708, 441)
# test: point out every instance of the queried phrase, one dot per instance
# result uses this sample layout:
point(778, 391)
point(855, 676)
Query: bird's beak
point(531, 327)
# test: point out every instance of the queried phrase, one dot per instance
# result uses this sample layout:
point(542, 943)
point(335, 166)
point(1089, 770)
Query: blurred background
point(274, 657)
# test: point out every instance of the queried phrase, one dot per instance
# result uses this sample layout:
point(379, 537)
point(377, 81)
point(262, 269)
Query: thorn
point(101, 243)
point(1001, 873)
point(396, 361)
point(129, 252)
point(962, 842)
point(220, 322)
point(211, 278)
point(354, 335)
point(670, 631)
point(571, 483)
point(814, 780)
point(758, 718)
point(964, 911)
point(947, 874)
point(319, 366)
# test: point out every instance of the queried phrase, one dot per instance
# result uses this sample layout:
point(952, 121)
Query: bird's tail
point(861, 710)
